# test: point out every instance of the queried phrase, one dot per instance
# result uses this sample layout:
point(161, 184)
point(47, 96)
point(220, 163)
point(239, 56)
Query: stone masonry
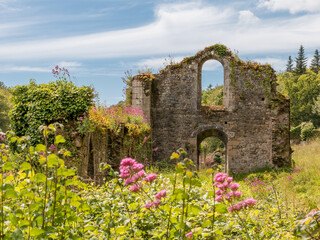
point(253, 123)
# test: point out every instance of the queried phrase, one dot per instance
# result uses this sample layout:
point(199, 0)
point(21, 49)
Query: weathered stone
point(253, 123)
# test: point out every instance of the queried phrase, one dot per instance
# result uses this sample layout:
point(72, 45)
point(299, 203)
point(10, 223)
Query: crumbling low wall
point(100, 147)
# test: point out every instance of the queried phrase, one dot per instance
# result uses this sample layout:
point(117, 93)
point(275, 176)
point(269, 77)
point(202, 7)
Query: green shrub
point(295, 132)
point(41, 104)
point(307, 130)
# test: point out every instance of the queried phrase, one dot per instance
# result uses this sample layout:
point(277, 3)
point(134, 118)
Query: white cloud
point(277, 63)
point(7, 68)
point(67, 64)
point(158, 63)
point(247, 17)
point(178, 29)
point(291, 6)
point(211, 65)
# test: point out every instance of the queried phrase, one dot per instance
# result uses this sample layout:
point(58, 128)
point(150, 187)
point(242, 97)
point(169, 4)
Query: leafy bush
point(5, 106)
point(295, 132)
point(57, 101)
point(307, 130)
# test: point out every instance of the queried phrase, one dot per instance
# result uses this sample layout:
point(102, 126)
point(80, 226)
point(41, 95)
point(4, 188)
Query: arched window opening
point(212, 84)
point(212, 154)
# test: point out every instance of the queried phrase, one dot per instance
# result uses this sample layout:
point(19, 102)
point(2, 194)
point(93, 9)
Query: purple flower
point(128, 162)
point(150, 177)
point(234, 186)
point(161, 194)
point(189, 235)
point(137, 166)
point(218, 198)
point(134, 188)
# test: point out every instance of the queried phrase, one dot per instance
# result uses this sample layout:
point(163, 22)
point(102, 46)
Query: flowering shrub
point(114, 119)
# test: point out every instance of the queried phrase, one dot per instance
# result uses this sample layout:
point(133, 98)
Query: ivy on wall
point(34, 105)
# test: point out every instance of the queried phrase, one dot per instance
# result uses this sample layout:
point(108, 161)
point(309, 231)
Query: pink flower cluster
point(257, 185)
point(56, 71)
point(156, 202)
point(227, 190)
point(246, 203)
point(132, 172)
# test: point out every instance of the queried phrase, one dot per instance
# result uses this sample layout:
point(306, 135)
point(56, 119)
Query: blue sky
point(98, 40)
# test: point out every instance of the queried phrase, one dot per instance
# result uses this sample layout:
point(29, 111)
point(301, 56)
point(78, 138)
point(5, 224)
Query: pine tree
point(315, 63)
point(289, 65)
point(301, 62)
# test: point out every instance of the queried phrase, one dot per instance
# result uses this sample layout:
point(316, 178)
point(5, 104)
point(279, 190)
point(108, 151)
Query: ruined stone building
point(253, 122)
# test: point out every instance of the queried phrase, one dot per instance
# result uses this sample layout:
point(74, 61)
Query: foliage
point(289, 65)
point(315, 62)
point(42, 199)
point(295, 132)
point(307, 130)
point(127, 90)
point(212, 96)
point(301, 62)
point(309, 227)
point(5, 106)
point(41, 104)
point(302, 91)
point(114, 119)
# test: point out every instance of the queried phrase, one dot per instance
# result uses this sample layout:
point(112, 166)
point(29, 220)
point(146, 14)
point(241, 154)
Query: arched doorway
point(210, 134)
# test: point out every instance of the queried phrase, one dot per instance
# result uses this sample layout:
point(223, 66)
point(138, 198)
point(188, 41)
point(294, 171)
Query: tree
point(303, 91)
point(301, 62)
point(289, 65)
point(315, 63)
point(5, 107)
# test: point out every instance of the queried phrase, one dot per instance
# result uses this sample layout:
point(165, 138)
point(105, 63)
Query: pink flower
point(229, 179)
point(250, 202)
point(125, 171)
point(80, 118)
point(220, 177)
point(237, 194)
point(137, 166)
point(155, 149)
point(52, 147)
point(161, 194)
point(150, 177)
point(228, 195)
point(135, 177)
point(219, 192)
point(230, 209)
point(237, 206)
point(141, 173)
point(189, 235)
point(128, 162)
point(145, 139)
point(128, 181)
point(218, 198)
point(148, 205)
point(234, 186)
point(216, 184)
point(134, 188)
point(156, 203)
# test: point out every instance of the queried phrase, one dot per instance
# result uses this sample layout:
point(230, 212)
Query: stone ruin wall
point(254, 123)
